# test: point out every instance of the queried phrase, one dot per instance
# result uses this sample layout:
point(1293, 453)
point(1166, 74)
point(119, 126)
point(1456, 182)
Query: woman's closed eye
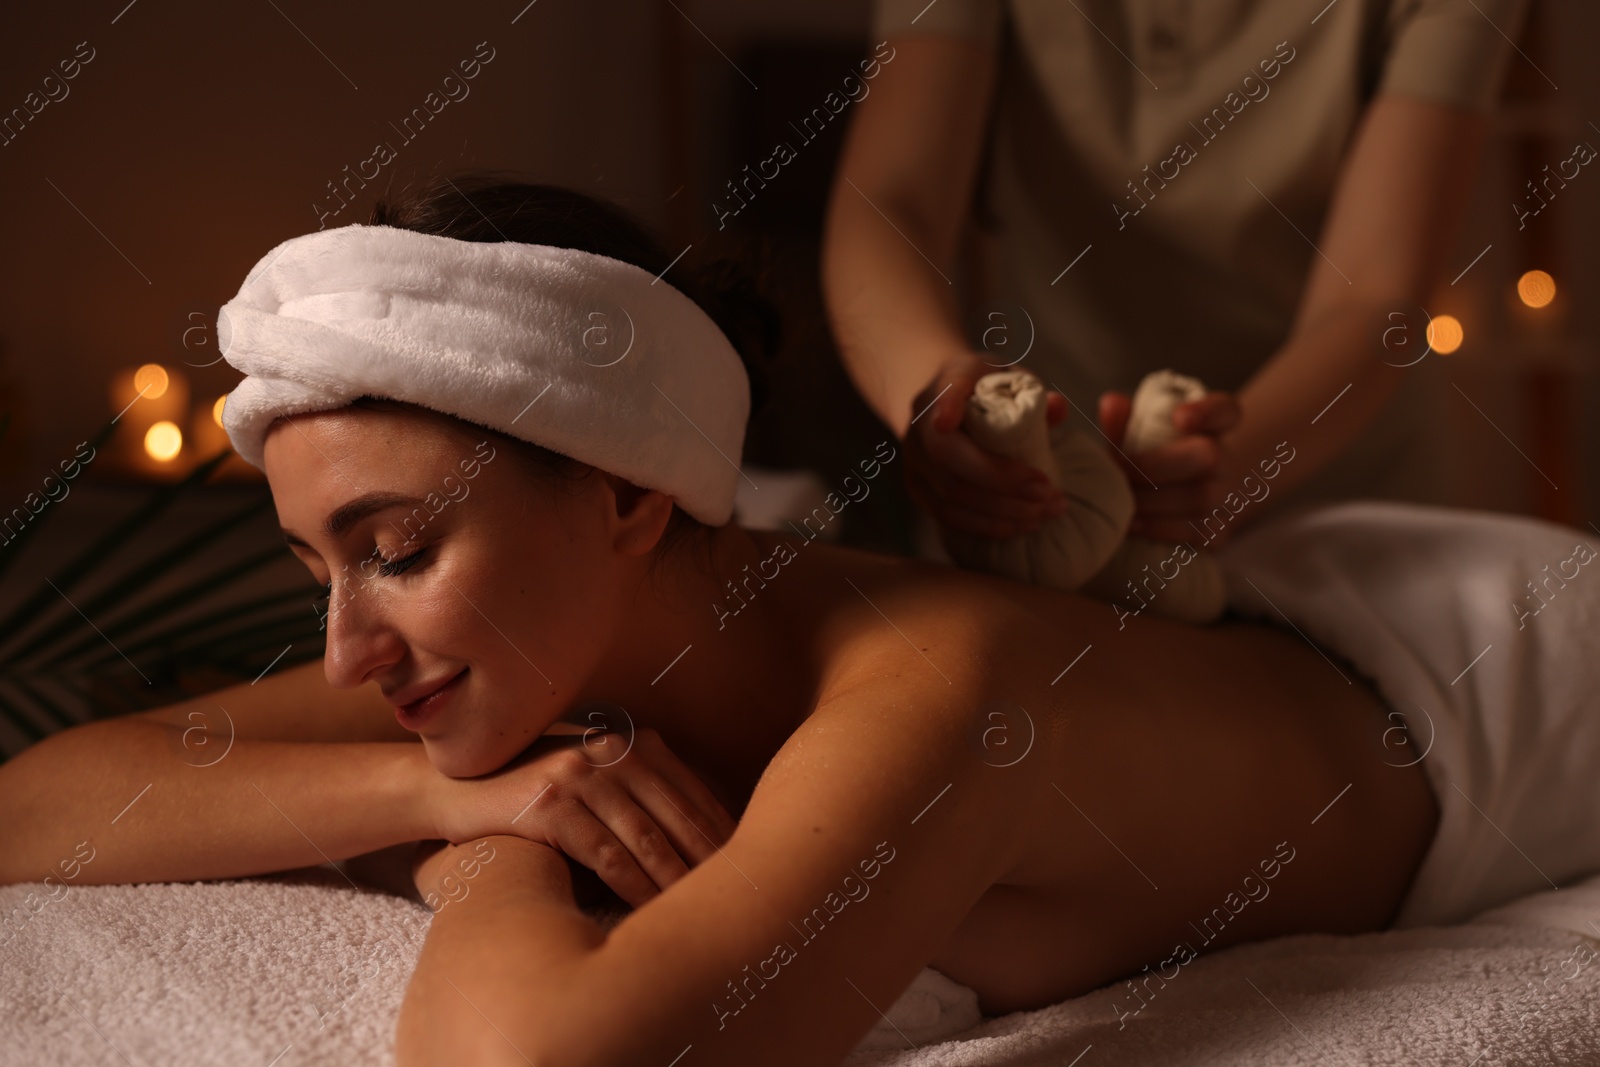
point(390, 568)
point(387, 568)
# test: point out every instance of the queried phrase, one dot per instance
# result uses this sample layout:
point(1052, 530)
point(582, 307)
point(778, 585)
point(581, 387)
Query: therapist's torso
point(1158, 171)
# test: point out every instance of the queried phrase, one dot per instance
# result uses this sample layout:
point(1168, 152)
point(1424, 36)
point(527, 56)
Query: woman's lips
point(415, 715)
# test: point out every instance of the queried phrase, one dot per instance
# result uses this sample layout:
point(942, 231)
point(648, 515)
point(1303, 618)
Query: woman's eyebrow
point(353, 511)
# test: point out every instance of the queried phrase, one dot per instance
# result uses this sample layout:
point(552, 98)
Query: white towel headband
point(580, 353)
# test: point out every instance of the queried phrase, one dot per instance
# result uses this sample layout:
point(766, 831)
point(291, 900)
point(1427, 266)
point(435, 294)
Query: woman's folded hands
point(625, 807)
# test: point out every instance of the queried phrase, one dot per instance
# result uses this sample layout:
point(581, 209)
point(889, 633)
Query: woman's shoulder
point(912, 657)
point(934, 712)
point(869, 614)
point(959, 657)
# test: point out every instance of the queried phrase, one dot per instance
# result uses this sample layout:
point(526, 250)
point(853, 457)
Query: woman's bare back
point(1208, 785)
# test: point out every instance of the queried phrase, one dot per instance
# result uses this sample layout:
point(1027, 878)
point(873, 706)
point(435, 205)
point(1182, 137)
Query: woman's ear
point(637, 516)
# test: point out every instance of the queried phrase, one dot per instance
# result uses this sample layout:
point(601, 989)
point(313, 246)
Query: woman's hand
point(959, 483)
point(632, 813)
point(1192, 472)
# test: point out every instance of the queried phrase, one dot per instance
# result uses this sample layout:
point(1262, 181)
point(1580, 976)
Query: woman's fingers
point(688, 829)
point(637, 842)
point(636, 863)
point(704, 822)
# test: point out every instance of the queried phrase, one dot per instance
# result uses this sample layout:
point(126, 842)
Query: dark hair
point(482, 206)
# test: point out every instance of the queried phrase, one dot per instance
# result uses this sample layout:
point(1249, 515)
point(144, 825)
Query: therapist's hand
point(960, 484)
point(1192, 473)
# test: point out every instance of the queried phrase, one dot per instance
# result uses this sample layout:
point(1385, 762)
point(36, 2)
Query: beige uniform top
point(1179, 157)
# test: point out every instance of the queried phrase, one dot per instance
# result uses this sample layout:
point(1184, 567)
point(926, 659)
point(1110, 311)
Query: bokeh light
point(1445, 334)
point(216, 409)
point(1536, 288)
point(150, 380)
point(163, 440)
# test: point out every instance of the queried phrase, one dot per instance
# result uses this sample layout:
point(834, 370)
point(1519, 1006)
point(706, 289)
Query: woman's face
point(448, 560)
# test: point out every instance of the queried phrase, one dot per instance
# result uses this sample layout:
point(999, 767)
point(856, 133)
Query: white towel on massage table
point(302, 967)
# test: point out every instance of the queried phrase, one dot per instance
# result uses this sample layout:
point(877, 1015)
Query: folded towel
point(580, 353)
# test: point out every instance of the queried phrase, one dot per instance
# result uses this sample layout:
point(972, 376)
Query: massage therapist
point(1251, 192)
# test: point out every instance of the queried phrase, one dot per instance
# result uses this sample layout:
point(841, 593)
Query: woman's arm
point(285, 773)
point(869, 838)
point(1396, 212)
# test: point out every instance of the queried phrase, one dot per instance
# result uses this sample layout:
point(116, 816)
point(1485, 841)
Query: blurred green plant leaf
point(152, 593)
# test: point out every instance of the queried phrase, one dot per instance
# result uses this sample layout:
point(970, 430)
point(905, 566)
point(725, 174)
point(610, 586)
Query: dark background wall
point(201, 135)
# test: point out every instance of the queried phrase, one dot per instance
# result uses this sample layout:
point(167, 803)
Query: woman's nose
point(360, 640)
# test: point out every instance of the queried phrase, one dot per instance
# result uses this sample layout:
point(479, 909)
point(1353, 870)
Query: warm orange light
point(150, 380)
point(163, 440)
point(216, 409)
point(1445, 334)
point(1536, 288)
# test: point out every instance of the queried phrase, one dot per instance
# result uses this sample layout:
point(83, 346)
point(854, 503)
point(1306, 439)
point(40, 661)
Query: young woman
point(928, 767)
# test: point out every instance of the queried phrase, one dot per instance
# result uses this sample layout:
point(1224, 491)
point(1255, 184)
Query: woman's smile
point(424, 709)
